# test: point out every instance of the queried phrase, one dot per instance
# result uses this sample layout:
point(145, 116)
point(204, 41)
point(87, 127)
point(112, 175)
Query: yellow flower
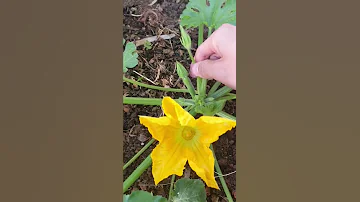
point(183, 138)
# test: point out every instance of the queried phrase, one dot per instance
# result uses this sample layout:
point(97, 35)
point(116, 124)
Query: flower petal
point(158, 127)
point(202, 161)
point(173, 110)
point(168, 158)
point(210, 128)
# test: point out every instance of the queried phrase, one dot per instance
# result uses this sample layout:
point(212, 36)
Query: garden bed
point(157, 67)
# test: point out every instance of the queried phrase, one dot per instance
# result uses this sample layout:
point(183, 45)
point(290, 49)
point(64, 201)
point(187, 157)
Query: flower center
point(188, 133)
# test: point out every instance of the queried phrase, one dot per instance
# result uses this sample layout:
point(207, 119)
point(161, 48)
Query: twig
point(225, 174)
point(144, 77)
point(153, 38)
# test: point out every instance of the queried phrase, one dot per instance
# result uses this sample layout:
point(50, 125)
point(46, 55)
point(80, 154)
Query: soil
point(157, 67)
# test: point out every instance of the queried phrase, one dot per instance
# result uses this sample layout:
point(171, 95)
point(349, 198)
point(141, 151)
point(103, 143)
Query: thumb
point(207, 69)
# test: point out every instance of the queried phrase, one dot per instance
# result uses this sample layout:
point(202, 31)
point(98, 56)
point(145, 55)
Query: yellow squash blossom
point(183, 138)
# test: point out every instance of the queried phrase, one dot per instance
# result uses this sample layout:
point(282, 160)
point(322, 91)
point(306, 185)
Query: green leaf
point(142, 196)
point(197, 12)
point(129, 56)
point(189, 190)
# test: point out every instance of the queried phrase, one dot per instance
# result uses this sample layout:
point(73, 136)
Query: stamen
point(188, 133)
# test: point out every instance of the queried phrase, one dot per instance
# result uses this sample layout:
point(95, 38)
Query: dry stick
point(155, 87)
point(153, 38)
point(144, 77)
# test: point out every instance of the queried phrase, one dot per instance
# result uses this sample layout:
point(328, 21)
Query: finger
point(208, 69)
point(207, 48)
point(214, 57)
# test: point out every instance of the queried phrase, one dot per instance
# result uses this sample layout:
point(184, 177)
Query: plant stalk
point(222, 91)
point(222, 180)
point(171, 187)
point(155, 87)
point(201, 83)
point(214, 88)
point(137, 173)
point(184, 75)
point(226, 115)
point(154, 101)
point(191, 56)
point(138, 154)
point(227, 97)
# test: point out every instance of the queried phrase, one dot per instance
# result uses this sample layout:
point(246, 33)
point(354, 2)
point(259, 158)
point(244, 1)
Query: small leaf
point(142, 196)
point(215, 14)
point(129, 56)
point(189, 190)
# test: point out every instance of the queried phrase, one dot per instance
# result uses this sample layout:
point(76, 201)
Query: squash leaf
point(129, 56)
point(213, 15)
point(143, 196)
point(189, 190)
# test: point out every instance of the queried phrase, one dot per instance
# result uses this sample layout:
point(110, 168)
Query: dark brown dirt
point(158, 65)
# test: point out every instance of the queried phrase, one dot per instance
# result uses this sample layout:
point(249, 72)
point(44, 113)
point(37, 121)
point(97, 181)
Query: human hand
point(216, 57)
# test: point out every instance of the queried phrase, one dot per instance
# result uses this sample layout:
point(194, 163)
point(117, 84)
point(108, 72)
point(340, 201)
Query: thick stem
point(200, 34)
point(154, 101)
point(138, 154)
point(137, 173)
point(171, 187)
point(200, 82)
point(222, 180)
point(155, 87)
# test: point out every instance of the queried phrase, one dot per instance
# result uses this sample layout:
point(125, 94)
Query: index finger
point(207, 48)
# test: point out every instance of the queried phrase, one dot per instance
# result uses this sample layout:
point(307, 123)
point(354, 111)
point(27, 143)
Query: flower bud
point(185, 39)
point(183, 74)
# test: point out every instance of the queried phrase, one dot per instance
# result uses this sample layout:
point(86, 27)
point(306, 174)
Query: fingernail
point(193, 70)
point(214, 57)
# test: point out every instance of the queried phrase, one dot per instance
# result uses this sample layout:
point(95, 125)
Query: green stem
point(192, 112)
point(184, 75)
point(227, 97)
point(226, 115)
point(137, 173)
point(155, 87)
point(154, 101)
point(214, 88)
point(222, 91)
point(201, 34)
point(139, 153)
point(231, 94)
point(209, 32)
point(191, 56)
point(171, 187)
point(201, 83)
point(222, 180)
